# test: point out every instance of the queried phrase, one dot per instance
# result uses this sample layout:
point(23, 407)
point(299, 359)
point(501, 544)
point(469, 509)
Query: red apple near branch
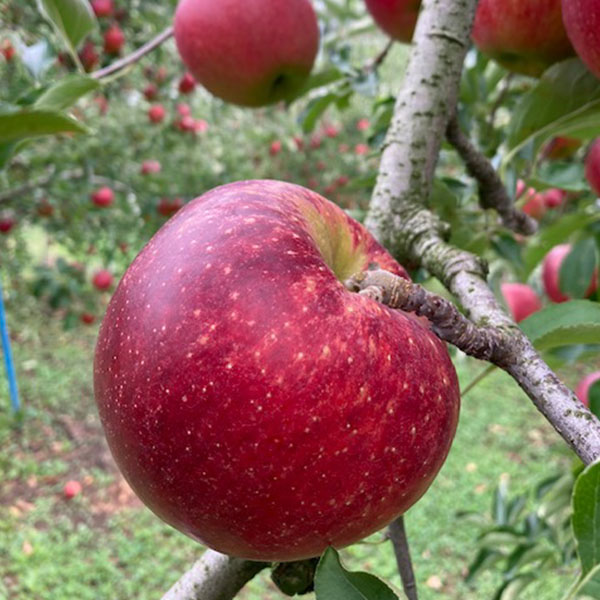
point(525, 36)
point(253, 56)
point(521, 299)
point(114, 38)
point(249, 398)
point(583, 387)
point(6, 224)
point(396, 17)
point(582, 21)
point(102, 8)
point(102, 280)
point(103, 197)
point(156, 113)
point(592, 166)
point(551, 274)
point(187, 84)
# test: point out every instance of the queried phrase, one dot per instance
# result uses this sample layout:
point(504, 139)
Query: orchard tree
point(331, 361)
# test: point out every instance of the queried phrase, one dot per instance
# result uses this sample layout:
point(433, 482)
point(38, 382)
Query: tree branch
point(214, 577)
point(398, 216)
point(492, 193)
point(397, 535)
point(135, 56)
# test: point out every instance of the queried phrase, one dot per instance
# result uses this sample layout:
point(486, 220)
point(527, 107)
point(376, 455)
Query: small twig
point(374, 64)
point(498, 102)
point(215, 576)
point(489, 369)
point(397, 535)
point(447, 322)
point(27, 187)
point(492, 193)
point(135, 56)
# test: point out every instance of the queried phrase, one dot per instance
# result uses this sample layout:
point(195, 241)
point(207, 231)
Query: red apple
point(275, 148)
point(102, 103)
point(150, 92)
point(102, 279)
point(592, 166)
point(186, 123)
point(583, 387)
point(342, 180)
point(200, 126)
point(187, 84)
point(525, 36)
point(561, 147)
point(71, 489)
point(535, 205)
point(87, 318)
point(161, 75)
point(361, 149)
point(551, 274)
point(89, 56)
point(315, 141)
point(156, 113)
point(582, 21)
point(396, 17)
point(554, 197)
point(249, 398)
point(103, 197)
point(184, 109)
point(331, 131)
point(251, 55)
point(45, 208)
point(102, 8)
point(6, 224)
point(299, 142)
point(150, 167)
point(8, 50)
point(114, 38)
point(363, 124)
point(168, 208)
point(521, 300)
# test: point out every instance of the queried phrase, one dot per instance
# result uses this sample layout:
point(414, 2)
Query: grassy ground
point(105, 544)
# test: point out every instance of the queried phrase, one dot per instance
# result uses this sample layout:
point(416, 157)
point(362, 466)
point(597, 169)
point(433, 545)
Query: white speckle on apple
point(227, 270)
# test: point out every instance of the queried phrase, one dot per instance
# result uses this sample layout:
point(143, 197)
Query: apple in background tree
point(253, 56)
point(187, 84)
point(396, 17)
point(525, 36)
point(150, 167)
point(534, 206)
point(8, 50)
point(102, 8)
point(583, 387)
point(521, 300)
point(168, 208)
point(45, 208)
point(88, 56)
point(103, 197)
point(102, 279)
point(184, 109)
point(150, 92)
point(554, 197)
point(561, 147)
point(156, 113)
point(551, 274)
point(6, 224)
point(249, 398)
point(71, 489)
point(582, 21)
point(592, 166)
point(87, 318)
point(114, 38)
point(275, 148)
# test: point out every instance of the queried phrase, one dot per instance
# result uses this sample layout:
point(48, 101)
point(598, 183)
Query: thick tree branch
point(400, 220)
point(492, 193)
point(397, 535)
point(214, 577)
point(135, 56)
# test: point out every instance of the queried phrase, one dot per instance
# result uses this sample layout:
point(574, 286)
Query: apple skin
point(156, 113)
point(87, 318)
point(102, 8)
point(253, 56)
point(102, 280)
point(396, 17)
point(114, 38)
point(521, 299)
point(89, 56)
point(150, 167)
point(551, 274)
point(582, 22)
point(187, 84)
point(554, 197)
point(103, 197)
point(592, 166)
point(249, 398)
point(524, 36)
point(583, 387)
point(71, 489)
point(535, 205)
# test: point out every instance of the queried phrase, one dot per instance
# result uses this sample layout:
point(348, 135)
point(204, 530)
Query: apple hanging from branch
point(249, 398)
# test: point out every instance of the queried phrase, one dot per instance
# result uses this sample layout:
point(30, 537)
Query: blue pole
point(8, 360)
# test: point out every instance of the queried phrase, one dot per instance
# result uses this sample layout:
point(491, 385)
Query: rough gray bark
point(399, 217)
point(215, 576)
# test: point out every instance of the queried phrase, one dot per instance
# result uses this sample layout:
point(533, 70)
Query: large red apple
point(252, 54)
point(551, 274)
point(521, 300)
point(582, 21)
point(592, 166)
point(249, 398)
point(583, 387)
point(525, 36)
point(396, 17)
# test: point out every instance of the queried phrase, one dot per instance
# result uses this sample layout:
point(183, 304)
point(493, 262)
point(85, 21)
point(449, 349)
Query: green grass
point(104, 544)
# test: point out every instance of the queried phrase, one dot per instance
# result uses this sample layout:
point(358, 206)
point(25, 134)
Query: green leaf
point(315, 108)
point(574, 322)
point(35, 123)
point(586, 517)
point(590, 585)
point(333, 582)
point(512, 589)
point(72, 19)
point(320, 79)
point(594, 398)
point(557, 174)
point(37, 58)
point(66, 92)
point(577, 269)
point(566, 100)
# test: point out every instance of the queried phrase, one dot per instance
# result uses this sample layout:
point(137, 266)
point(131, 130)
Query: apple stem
point(135, 56)
point(397, 535)
point(492, 193)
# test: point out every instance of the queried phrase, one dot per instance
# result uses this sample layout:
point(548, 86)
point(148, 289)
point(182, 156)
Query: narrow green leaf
point(66, 92)
point(574, 322)
point(557, 174)
point(577, 270)
point(586, 517)
point(333, 582)
point(590, 585)
point(512, 589)
point(35, 123)
point(72, 19)
point(314, 110)
point(320, 79)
